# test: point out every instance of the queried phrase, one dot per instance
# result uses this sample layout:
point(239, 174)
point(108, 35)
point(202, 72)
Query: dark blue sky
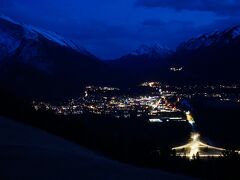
point(111, 28)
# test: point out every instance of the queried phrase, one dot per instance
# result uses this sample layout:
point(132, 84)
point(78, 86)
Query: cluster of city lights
point(176, 69)
point(155, 104)
point(159, 104)
point(97, 100)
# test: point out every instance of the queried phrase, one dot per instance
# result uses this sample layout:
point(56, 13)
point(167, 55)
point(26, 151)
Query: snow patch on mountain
point(54, 37)
point(215, 38)
point(154, 49)
point(236, 32)
point(8, 44)
point(8, 19)
point(33, 33)
point(203, 40)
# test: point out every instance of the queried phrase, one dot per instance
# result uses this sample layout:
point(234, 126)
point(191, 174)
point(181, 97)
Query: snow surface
point(236, 32)
point(32, 32)
point(204, 40)
point(150, 49)
point(29, 153)
point(212, 38)
point(9, 43)
point(54, 37)
point(8, 19)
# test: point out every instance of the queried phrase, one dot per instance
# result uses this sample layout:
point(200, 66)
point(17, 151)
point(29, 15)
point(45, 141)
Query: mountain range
point(212, 57)
point(208, 58)
point(38, 63)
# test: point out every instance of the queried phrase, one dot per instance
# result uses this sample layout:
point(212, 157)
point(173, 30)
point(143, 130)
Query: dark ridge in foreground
point(28, 153)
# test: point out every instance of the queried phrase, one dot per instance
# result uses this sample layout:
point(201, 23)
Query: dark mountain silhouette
point(211, 57)
point(41, 64)
point(144, 63)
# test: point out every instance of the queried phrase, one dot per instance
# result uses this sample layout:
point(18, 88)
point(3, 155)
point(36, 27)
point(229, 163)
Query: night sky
point(111, 28)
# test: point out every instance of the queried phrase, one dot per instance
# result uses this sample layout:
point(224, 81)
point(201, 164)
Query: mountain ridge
point(34, 65)
point(39, 63)
point(32, 32)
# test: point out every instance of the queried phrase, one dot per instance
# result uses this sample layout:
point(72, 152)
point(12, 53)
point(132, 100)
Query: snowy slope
point(54, 37)
point(216, 38)
point(29, 153)
point(34, 33)
point(36, 62)
point(152, 50)
point(8, 43)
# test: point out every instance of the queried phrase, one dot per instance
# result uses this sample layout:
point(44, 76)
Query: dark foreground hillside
point(29, 153)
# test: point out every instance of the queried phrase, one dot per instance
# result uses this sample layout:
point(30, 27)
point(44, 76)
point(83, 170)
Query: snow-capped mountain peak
point(154, 49)
point(34, 33)
point(8, 19)
point(54, 37)
point(215, 38)
point(235, 31)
